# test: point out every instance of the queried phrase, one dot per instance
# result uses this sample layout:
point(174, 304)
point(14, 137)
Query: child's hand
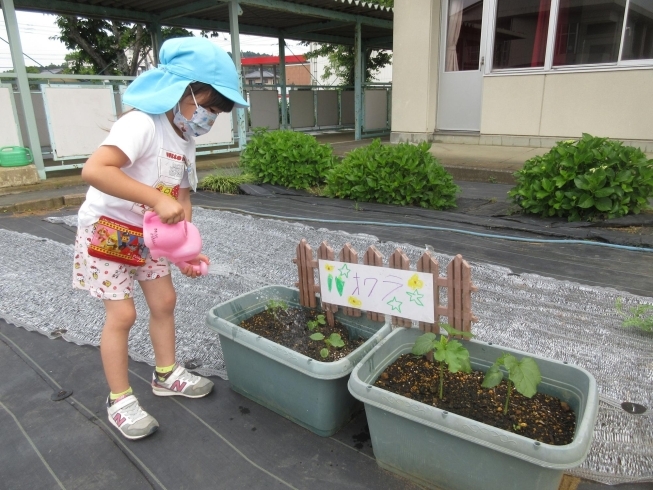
point(169, 210)
point(190, 271)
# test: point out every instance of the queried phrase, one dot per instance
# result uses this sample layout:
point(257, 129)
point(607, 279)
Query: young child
point(148, 163)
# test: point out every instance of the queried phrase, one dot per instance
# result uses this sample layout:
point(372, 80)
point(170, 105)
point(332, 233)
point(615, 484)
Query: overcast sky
point(37, 29)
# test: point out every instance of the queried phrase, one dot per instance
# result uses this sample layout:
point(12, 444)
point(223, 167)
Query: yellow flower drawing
point(415, 282)
point(352, 300)
point(329, 267)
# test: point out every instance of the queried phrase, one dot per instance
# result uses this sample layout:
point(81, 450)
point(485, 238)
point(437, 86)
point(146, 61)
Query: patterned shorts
point(106, 279)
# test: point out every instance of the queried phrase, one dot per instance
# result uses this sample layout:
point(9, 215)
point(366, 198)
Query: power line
point(27, 56)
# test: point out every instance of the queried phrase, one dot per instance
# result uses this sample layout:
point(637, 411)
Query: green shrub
point(592, 178)
point(287, 158)
point(226, 184)
point(402, 174)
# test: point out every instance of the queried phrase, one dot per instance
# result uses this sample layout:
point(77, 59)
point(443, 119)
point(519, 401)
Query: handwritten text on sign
point(403, 293)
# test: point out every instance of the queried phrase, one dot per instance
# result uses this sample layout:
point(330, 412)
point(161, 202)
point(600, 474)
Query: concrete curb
point(47, 204)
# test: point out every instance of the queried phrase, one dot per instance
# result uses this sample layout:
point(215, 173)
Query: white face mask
point(200, 122)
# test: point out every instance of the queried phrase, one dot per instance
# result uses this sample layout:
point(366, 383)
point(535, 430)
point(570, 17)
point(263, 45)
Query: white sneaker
point(130, 419)
point(181, 382)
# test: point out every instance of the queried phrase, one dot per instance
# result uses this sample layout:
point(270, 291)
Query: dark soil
point(543, 418)
point(289, 328)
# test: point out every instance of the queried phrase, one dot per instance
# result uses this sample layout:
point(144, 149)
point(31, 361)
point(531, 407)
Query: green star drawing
point(416, 297)
point(395, 304)
point(344, 271)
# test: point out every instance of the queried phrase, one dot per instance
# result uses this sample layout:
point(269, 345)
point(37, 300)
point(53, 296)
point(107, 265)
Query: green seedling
point(334, 340)
point(524, 375)
point(640, 316)
point(275, 305)
point(445, 350)
point(313, 324)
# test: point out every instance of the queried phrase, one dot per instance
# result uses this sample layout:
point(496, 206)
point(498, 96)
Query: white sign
point(403, 293)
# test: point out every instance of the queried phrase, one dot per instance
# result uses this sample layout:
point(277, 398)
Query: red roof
point(272, 60)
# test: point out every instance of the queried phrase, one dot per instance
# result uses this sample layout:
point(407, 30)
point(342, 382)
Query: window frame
point(548, 67)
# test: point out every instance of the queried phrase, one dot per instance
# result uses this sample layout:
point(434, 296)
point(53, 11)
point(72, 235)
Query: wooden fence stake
point(428, 264)
point(306, 273)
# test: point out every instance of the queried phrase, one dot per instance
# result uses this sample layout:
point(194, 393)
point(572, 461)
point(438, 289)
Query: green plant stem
point(441, 378)
point(505, 407)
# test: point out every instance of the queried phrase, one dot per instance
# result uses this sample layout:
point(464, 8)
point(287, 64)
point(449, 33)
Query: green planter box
point(446, 451)
point(311, 393)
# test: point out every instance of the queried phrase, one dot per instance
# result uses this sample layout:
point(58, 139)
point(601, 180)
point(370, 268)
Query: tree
point(251, 54)
point(107, 47)
point(341, 62)
point(39, 69)
point(341, 58)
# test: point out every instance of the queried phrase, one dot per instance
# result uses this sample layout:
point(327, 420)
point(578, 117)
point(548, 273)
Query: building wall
point(298, 74)
point(614, 104)
point(319, 64)
point(416, 46)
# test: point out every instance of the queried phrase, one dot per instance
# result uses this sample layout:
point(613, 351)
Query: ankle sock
point(163, 372)
point(114, 396)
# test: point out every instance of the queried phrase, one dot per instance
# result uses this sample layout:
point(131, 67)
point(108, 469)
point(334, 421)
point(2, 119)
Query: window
point(464, 35)
point(587, 32)
point(638, 37)
point(521, 31)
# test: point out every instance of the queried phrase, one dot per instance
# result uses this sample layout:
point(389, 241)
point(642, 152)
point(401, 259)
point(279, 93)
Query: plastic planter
point(311, 393)
point(443, 450)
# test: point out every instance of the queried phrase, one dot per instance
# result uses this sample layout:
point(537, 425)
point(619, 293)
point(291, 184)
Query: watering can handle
point(202, 268)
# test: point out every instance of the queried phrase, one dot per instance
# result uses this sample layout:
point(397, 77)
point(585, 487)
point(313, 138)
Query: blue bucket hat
point(182, 61)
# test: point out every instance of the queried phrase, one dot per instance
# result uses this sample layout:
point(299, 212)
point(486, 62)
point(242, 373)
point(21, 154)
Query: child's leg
point(169, 378)
point(113, 283)
point(121, 315)
point(124, 411)
point(161, 299)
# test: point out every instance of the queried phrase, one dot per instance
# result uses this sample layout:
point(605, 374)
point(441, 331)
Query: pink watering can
point(178, 243)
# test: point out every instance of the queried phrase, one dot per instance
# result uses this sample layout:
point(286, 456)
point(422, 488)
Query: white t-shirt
point(158, 157)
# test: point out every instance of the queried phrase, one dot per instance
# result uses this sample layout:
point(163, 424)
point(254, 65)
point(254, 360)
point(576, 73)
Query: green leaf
point(335, 340)
point(317, 336)
point(440, 349)
point(493, 376)
point(585, 201)
point(604, 192)
point(454, 331)
point(324, 352)
point(423, 344)
point(526, 376)
point(603, 204)
point(455, 355)
point(582, 183)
